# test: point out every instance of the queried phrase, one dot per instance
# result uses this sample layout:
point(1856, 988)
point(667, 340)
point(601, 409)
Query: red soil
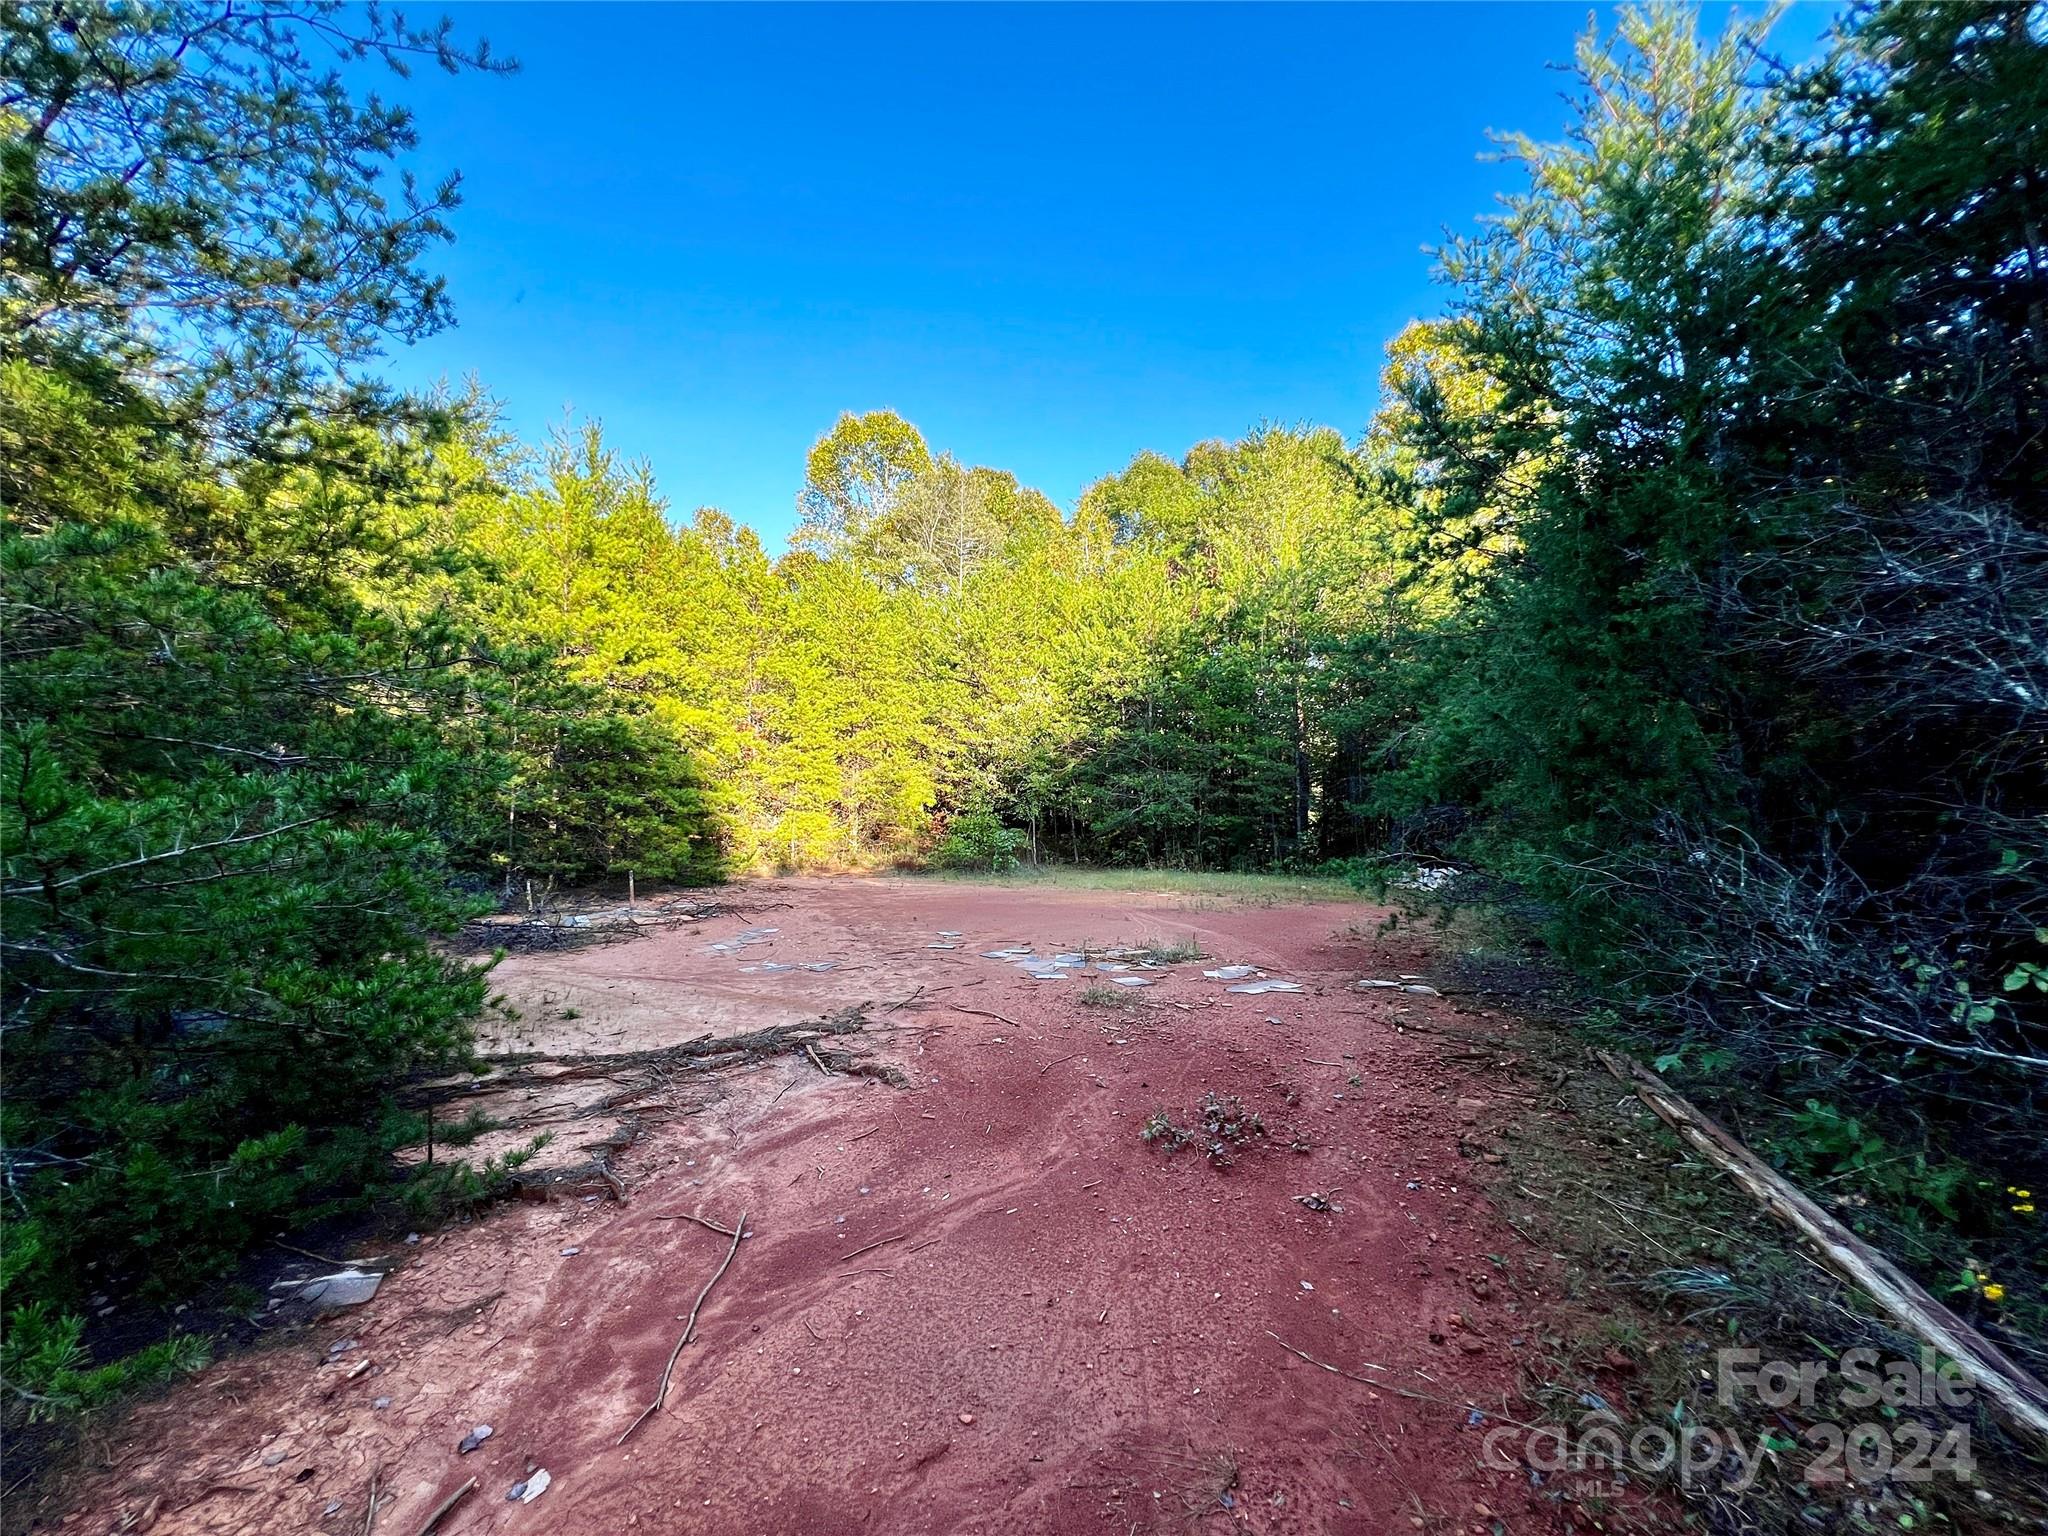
point(1073, 1332)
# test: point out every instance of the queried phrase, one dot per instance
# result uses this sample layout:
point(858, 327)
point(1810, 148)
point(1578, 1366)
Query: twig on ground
point(308, 1253)
point(880, 1242)
point(689, 1329)
point(1323, 1365)
point(445, 1505)
point(920, 997)
point(1388, 1386)
point(816, 1060)
point(1056, 1061)
point(702, 1221)
point(985, 1014)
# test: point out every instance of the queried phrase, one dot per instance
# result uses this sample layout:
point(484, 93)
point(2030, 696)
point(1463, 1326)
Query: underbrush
point(1669, 1297)
point(1889, 1142)
point(61, 1362)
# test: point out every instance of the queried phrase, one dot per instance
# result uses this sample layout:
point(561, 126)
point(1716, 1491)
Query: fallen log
point(2018, 1400)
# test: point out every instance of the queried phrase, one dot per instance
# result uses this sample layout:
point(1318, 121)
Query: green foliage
point(1730, 589)
point(460, 1189)
point(186, 169)
point(44, 1361)
point(256, 716)
point(977, 839)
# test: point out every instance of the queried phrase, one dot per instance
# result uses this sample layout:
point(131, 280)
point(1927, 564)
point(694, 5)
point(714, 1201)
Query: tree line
point(1687, 597)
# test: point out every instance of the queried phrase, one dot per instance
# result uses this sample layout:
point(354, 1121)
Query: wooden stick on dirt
point(880, 1242)
point(445, 1505)
point(2014, 1395)
point(984, 1014)
point(689, 1328)
point(1056, 1061)
point(702, 1221)
point(816, 1060)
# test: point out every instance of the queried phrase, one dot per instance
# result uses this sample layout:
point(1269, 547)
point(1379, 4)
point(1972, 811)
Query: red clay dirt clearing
point(1054, 1326)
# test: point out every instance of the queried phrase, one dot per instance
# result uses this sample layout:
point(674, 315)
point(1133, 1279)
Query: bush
point(977, 839)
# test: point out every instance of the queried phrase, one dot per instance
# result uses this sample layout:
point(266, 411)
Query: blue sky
point(1052, 236)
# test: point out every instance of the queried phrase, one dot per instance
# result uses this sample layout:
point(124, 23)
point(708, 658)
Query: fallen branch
point(1056, 1061)
point(689, 1329)
point(445, 1505)
point(816, 1061)
point(2014, 1395)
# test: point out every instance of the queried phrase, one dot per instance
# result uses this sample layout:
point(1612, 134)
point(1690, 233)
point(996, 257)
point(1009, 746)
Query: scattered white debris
point(344, 1288)
point(1268, 985)
point(531, 1489)
point(1231, 972)
point(473, 1439)
point(1130, 981)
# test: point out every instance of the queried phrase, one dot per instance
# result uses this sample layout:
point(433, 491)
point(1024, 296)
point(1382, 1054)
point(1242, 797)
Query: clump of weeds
point(1222, 1126)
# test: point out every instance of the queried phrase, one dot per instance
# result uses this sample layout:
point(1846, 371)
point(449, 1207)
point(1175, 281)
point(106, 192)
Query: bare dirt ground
point(979, 1302)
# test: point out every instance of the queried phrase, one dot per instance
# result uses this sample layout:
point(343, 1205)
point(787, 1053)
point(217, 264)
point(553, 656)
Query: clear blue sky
point(1051, 236)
